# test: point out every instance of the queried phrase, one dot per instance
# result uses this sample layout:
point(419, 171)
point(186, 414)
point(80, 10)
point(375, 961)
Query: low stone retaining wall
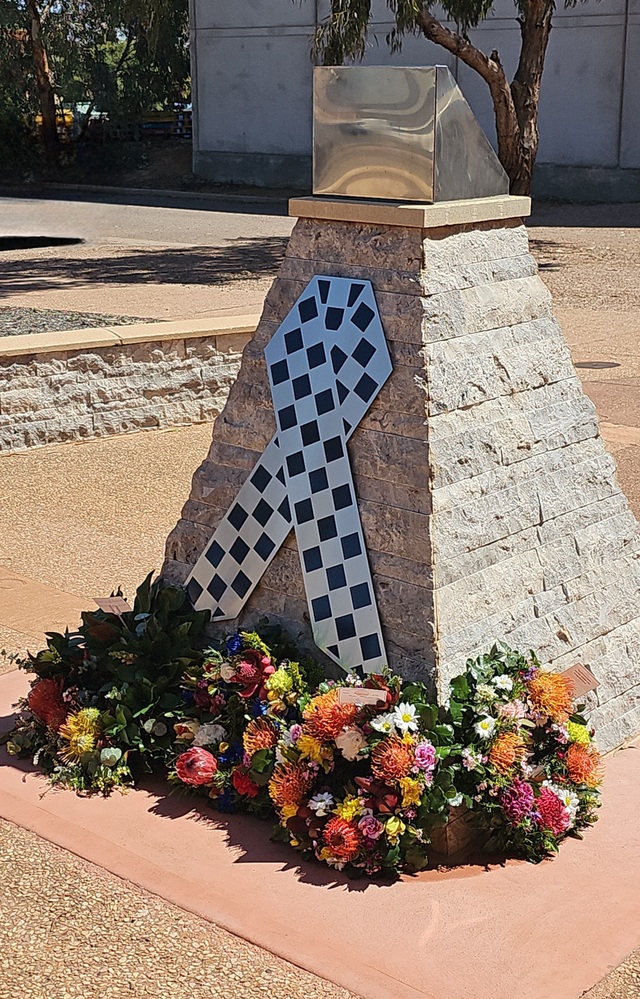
point(79, 384)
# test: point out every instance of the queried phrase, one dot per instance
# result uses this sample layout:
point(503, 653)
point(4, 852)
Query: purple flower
point(517, 801)
point(370, 827)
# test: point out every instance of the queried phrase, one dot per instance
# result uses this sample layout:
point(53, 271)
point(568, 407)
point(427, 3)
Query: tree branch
point(491, 71)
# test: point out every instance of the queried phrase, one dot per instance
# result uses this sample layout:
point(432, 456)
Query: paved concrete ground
point(83, 518)
point(157, 258)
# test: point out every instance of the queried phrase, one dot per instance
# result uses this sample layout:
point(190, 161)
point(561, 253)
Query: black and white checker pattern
point(327, 362)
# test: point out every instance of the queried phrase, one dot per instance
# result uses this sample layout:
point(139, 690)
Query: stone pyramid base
point(488, 501)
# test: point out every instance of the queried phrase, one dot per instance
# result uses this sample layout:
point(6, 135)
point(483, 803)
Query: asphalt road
point(142, 219)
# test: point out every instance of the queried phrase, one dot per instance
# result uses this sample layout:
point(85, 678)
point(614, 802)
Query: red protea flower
point(259, 734)
point(243, 783)
point(251, 670)
point(343, 838)
point(196, 767)
point(554, 817)
point(289, 784)
point(45, 702)
point(325, 717)
point(584, 764)
point(392, 759)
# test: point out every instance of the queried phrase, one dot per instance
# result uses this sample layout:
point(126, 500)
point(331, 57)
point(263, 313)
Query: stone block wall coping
point(106, 336)
point(409, 215)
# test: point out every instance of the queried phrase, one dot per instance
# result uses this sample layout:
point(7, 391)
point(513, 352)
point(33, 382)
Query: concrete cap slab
point(412, 216)
point(108, 336)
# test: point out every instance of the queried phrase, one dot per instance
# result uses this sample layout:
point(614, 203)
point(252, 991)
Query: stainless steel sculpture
point(399, 133)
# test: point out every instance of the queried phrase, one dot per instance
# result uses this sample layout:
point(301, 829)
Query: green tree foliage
point(124, 57)
point(344, 34)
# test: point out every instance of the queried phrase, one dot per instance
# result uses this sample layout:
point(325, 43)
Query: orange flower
point(507, 749)
point(392, 759)
point(325, 717)
point(259, 734)
point(343, 838)
point(550, 693)
point(289, 784)
point(584, 764)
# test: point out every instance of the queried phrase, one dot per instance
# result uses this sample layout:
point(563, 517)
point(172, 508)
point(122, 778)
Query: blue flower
point(234, 643)
point(258, 708)
point(224, 802)
point(187, 696)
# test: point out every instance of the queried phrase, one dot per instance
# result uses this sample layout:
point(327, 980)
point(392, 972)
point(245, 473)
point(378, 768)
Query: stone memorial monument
point(407, 468)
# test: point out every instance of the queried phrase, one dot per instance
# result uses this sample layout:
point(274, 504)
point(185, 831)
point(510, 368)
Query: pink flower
point(513, 709)
point(197, 766)
point(251, 671)
point(425, 756)
point(370, 827)
point(517, 801)
point(554, 817)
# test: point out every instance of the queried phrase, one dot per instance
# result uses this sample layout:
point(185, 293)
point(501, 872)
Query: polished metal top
point(399, 133)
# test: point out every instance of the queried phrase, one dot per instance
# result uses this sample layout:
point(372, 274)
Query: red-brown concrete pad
point(536, 932)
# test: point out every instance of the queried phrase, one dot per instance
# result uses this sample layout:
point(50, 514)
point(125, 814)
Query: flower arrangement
point(364, 776)
point(357, 772)
point(238, 701)
point(102, 699)
point(528, 766)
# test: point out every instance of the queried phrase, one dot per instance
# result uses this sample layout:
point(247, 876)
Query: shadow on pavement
point(243, 259)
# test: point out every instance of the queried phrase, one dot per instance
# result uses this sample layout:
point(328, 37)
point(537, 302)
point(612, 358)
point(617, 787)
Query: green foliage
point(128, 667)
point(125, 57)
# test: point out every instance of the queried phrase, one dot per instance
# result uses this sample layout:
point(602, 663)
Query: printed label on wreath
point(582, 679)
point(360, 696)
point(112, 605)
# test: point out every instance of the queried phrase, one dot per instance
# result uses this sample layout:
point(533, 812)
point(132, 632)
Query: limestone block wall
point(489, 504)
point(94, 383)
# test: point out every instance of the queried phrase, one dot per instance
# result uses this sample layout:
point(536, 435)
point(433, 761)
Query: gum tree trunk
point(515, 105)
point(44, 85)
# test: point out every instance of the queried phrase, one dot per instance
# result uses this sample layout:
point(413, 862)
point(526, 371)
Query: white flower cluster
point(208, 734)
point(402, 719)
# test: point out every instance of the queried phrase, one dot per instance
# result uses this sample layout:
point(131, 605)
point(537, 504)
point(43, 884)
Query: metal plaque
point(399, 133)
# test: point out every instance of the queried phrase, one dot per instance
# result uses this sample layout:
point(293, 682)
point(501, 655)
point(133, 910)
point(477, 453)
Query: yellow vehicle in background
point(64, 120)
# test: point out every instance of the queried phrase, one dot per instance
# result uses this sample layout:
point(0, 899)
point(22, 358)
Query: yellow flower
point(349, 808)
point(411, 792)
point(408, 739)
point(312, 749)
point(288, 811)
point(394, 828)
point(80, 731)
point(222, 748)
point(325, 853)
point(578, 733)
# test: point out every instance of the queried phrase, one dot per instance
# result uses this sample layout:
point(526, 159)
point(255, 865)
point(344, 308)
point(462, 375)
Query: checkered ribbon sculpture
point(327, 361)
